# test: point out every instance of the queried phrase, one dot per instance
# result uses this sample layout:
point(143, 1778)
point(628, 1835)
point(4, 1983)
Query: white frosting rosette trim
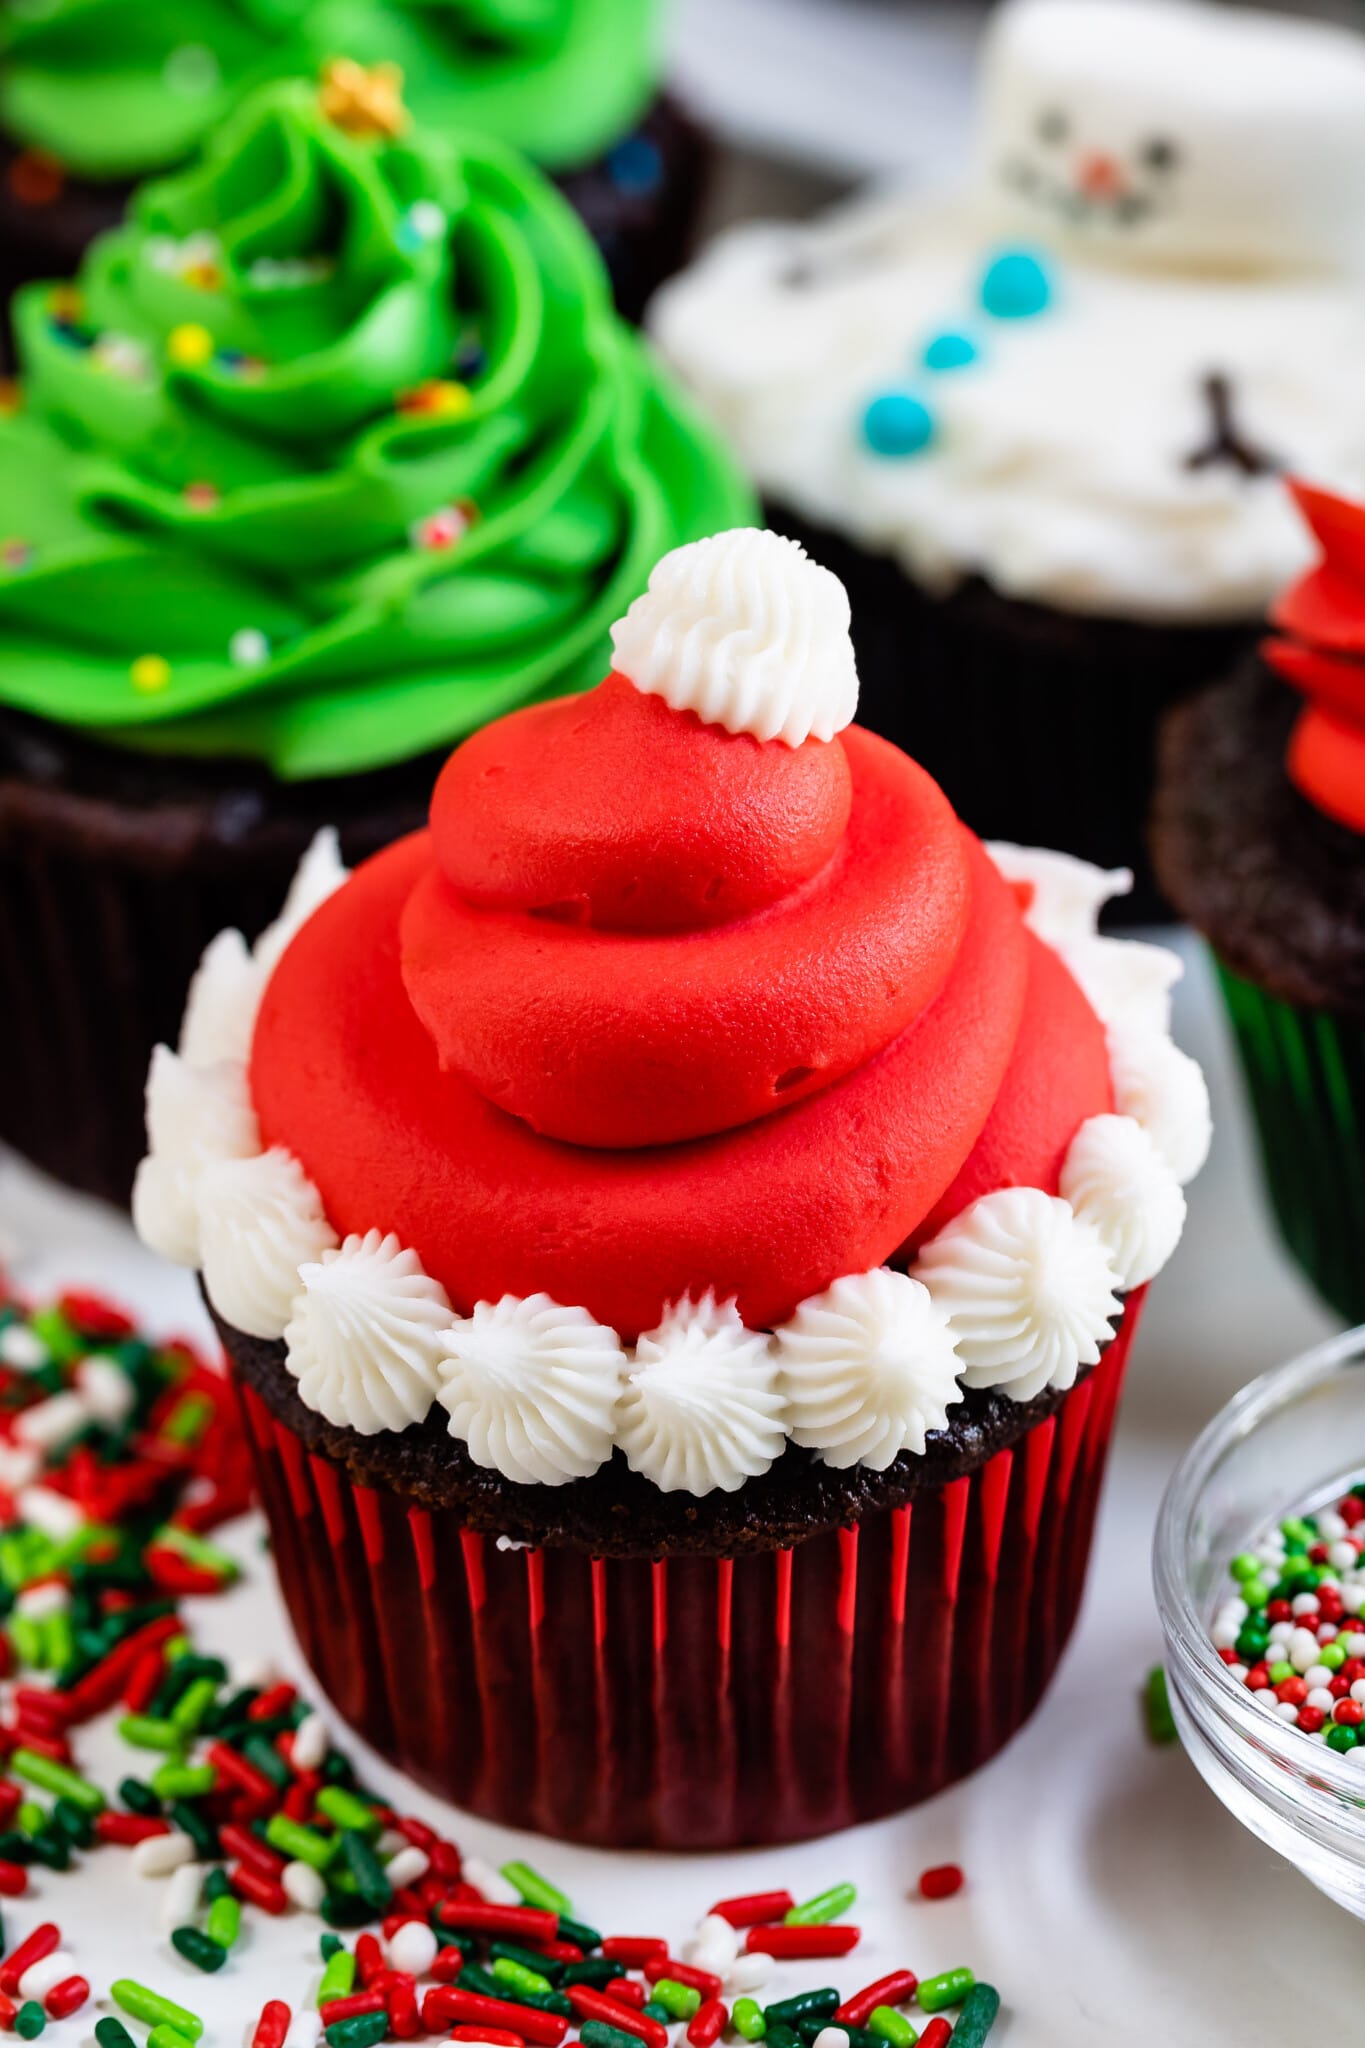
point(1028, 1289)
point(868, 1369)
point(196, 1117)
point(365, 1335)
point(1116, 1179)
point(1164, 1090)
point(261, 1222)
point(700, 1410)
point(1019, 1292)
point(531, 1388)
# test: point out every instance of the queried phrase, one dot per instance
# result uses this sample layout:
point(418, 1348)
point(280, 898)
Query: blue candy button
point(1016, 285)
point(949, 351)
point(897, 423)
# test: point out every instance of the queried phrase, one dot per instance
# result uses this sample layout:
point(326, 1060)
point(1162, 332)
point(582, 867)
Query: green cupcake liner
point(1305, 1075)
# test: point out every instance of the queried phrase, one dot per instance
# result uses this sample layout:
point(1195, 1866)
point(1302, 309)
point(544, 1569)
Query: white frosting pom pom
point(1068, 894)
point(365, 1335)
point(1116, 1179)
point(220, 1010)
point(1127, 982)
point(165, 1210)
point(1028, 1289)
point(531, 1388)
point(747, 632)
point(320, 874)
point(260, 1221)
point(1165, 1091)
point(196, 1116)
point(199, 1114)
point(868, 1368)
point(700, 1410)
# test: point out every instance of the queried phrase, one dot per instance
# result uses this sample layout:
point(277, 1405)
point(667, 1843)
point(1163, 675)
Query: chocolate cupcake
point(1257, 837)
point(678, 1226)
point(1035, 424)
point(334, 451)
point(95, 97)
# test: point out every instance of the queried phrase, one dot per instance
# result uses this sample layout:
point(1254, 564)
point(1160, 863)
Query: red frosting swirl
point(1321, 651)
point(654, 1008)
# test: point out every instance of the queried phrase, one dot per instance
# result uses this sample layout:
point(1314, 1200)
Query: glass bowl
point(1290, 1442)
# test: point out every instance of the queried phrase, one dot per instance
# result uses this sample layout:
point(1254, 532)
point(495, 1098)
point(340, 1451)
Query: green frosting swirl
point(118, 88)
point(249, 506)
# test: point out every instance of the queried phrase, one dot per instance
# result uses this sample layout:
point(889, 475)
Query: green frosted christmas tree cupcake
point(336, 450)
point(97, 93)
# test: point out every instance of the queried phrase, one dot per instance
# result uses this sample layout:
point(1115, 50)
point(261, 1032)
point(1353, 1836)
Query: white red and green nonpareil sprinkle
point(1291, 1628)
point(118, 1459)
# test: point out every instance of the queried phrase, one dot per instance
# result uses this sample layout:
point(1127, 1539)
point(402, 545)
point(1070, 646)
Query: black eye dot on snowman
point(1160, 154)
point(1053, 126)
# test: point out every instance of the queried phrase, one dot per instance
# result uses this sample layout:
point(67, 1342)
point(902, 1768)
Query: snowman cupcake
point(1037, 423)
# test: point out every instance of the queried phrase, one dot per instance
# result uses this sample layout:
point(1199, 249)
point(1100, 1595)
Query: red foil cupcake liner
point(696, 1702)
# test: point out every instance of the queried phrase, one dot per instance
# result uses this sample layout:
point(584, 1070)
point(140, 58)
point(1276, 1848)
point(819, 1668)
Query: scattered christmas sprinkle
point(363, 101)
point(150, 673)
point(439, 398)
point(35, 178)
point(1290, 1629)
point(189, 346)
point(1156, 1707)
point(119, 1458)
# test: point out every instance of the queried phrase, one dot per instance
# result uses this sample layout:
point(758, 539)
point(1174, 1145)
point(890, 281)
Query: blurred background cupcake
point(334, 451)
point(679, 1225)
point(1258, 840)
point(1036, 424)
point(96, 96)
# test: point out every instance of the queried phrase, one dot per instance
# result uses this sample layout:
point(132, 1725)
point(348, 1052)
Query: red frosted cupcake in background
point(1259, 839)
point(679, 1227)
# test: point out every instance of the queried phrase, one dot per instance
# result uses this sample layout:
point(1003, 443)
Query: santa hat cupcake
point(678, 1226)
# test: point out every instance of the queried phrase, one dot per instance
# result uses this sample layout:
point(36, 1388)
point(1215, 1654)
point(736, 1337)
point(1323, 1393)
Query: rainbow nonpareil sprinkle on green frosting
point(335, 451)
point(118, 88)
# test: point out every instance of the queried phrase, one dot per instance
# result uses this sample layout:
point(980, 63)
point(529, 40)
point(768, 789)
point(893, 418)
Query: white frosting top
point(1116, 1179)
point(1192, 181)
point(748, 632)
point(365, 1335)
point(700, 1410)
point(868, 1369)
point(531, 1388)
point(1029, 1291)
point(1019, 1292)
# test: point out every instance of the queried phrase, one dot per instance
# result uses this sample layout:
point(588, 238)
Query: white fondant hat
point(1175, 132)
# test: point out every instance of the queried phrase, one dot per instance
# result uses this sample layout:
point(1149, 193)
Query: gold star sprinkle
point(363, 100)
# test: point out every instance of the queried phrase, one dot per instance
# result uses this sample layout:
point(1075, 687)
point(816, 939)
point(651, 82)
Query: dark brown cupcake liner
point(695, 1701)
point(1040, 725)
point(115, 873)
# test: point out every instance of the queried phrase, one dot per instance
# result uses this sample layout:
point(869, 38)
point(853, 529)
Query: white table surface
point(1109, 1896)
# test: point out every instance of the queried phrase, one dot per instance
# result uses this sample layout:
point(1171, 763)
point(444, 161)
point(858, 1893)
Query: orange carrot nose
point(1099, 176)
